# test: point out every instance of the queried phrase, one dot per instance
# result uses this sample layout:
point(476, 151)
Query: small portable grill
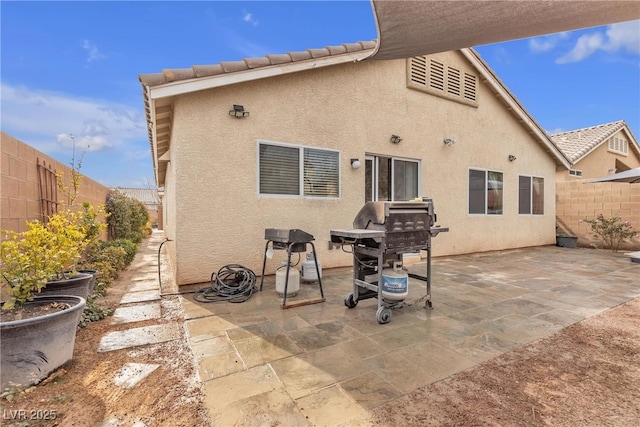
point(291, 240)
point(382, 233)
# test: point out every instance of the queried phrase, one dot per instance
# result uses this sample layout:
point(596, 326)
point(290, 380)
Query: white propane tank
point(395, 283)
point(309, 273)
point(294, 280)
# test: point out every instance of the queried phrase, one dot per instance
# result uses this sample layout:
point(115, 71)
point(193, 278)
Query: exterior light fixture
point(395, 139)
point(238, 112)
point(355, 163)
point(511, 157)
point(449, 142)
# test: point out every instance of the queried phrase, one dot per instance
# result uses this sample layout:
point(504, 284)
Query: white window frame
point(531, 178)
point(301, 149)
point(486, 193)
point(575, 172)
point(375, 158)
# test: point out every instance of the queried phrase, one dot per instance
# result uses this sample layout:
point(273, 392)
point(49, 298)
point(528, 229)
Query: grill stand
point(370, 246)
point(363, 289)
point(293, 247)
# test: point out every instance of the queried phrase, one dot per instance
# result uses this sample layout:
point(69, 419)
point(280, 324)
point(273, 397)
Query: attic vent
point(436, 75)
point(439, 79)
point(619, 145)
point(453, 81)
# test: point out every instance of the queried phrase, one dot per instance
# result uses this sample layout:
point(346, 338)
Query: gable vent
point(436, 75)
point(439, 79)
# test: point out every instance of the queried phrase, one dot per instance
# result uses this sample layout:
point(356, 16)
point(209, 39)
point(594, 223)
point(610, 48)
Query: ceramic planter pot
point(567, 241)
point(92, 284)
point(78, 285)
point(33, 348)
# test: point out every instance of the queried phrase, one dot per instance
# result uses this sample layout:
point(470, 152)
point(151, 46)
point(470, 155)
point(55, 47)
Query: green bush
point(130, 248)
point(612, 231)
point(128, 217)
point(107, 260)
point(93, 312)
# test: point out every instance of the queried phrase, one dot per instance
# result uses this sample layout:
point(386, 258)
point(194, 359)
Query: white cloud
point(248, 18)
point(46, 119)
point(622, 36)
point(546, 43)
point(92, 51)
point(587, 44)
point(625, 35)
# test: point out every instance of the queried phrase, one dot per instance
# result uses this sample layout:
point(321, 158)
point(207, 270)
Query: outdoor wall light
point(449, 142)
point(355, 163)
point(511, 157)
point(238, 112)
point(395, 139)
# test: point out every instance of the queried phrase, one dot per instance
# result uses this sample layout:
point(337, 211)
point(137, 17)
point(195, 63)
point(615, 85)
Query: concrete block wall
point(20, 199)
point(577, 200)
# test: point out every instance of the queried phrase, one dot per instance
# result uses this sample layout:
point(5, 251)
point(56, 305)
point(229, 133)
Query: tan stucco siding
point(354, 108)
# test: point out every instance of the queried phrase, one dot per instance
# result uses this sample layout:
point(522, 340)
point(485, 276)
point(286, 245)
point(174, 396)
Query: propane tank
point(294, 280)
point(309, 273)
point(395, 283)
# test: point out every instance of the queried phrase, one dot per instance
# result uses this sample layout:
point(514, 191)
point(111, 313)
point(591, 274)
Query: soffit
point(410, 28)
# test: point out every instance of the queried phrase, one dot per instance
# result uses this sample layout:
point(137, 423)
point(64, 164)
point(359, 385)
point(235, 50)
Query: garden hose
point(233, 283)
point(159, 276)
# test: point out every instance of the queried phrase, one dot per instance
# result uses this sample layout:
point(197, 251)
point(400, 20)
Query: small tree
point(612, 231)
point(71, 191)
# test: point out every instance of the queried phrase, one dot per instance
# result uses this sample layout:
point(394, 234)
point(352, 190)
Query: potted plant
point(37, 333)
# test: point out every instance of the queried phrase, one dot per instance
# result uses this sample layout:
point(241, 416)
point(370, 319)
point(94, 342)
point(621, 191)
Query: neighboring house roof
point(147, 196)
point(579, 143)
point(158, 89)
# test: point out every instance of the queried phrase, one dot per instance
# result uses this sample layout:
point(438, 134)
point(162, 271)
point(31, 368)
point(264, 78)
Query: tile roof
point(575, 144)
point(197, 71)
point(147, 196)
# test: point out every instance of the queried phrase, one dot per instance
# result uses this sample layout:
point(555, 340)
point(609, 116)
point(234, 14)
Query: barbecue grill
point(291, 240)
point(382, 233)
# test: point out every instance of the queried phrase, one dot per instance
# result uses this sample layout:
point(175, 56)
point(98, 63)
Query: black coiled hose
point(233, 283)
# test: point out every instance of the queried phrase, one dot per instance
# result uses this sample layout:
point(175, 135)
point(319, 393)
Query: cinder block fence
point(28, 189)
point(578, 200)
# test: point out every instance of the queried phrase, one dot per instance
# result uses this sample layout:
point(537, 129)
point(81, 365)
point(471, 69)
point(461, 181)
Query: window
point(391, 179)
point(619, 145)
point(485, 192)
point(289, 170)
point(530, 195)
point(575, 172)
point(437, 78)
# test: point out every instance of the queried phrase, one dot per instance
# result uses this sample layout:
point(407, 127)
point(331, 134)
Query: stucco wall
point(577, 200)
point(219, 218)
point(20, 188)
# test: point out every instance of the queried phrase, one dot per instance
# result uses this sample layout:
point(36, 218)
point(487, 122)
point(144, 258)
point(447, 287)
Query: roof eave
point(204, 83)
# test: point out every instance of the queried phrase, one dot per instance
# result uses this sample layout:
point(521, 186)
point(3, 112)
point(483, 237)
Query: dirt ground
point(585, 375)
point(588, 374)
point(82, 393)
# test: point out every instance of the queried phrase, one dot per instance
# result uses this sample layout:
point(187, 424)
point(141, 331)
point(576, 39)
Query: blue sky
point(72, 68)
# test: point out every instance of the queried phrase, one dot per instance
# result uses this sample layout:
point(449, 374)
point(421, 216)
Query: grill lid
point(396, 216)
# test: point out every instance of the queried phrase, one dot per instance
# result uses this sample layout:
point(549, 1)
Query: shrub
point(130, 248)
point(92, 312)
point(41, 253)
point(128, 217)
point(612, 231)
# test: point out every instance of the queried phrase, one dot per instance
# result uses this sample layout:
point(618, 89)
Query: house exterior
point(272, 143)
point(597, 151)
